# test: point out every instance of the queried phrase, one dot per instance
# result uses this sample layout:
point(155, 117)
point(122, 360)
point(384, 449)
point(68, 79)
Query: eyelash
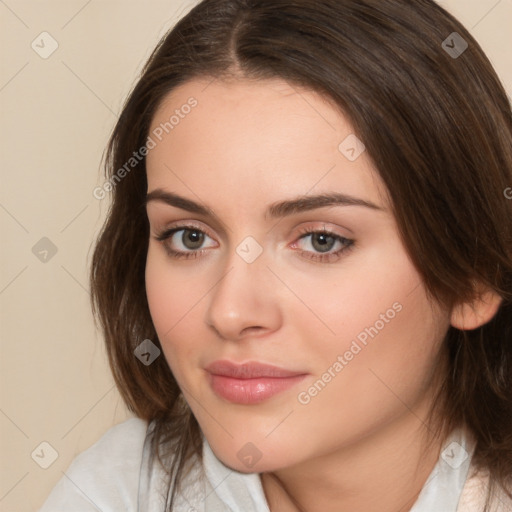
point(348, 244)
point(329, 257)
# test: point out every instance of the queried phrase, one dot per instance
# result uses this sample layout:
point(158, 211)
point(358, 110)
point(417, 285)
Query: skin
point(358, 444)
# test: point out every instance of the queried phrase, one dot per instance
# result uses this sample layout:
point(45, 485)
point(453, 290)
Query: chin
point(253, 457)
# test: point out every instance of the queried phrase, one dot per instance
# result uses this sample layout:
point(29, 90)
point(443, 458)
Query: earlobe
point(471, 315)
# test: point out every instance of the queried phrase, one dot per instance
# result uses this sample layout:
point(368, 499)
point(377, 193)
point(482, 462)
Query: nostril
point(252, 330)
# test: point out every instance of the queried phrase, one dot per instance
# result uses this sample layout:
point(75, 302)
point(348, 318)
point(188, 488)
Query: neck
point(383, 471)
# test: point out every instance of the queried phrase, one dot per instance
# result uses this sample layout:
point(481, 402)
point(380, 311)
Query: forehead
point(258, 138)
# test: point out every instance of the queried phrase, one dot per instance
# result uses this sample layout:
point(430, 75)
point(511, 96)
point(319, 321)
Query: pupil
point(322, 242)
point(192, 239)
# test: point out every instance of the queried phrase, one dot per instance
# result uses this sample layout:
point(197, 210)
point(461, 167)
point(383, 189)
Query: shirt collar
point(443, 488)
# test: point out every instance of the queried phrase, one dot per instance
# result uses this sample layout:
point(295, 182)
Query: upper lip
point(249, 370)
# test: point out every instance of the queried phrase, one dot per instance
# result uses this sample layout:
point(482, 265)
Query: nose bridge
point(243, 299)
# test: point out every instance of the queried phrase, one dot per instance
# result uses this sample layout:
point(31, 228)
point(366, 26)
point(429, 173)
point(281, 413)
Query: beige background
point(56, 116)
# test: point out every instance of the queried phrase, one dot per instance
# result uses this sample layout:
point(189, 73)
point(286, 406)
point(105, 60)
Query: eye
point(185, 241)
point(323, 246)
point(191, 242)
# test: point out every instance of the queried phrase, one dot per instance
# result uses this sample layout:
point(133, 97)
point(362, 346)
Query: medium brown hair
point(438, 129)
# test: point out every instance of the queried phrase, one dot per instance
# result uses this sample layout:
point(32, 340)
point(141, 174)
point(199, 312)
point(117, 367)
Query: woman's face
point(282, 250)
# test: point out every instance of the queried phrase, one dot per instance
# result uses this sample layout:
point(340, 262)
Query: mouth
point(250, 383)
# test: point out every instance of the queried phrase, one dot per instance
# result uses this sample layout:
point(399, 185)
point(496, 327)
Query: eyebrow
point(275, 210)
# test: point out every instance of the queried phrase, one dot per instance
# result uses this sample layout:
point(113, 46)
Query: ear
point(471, 315)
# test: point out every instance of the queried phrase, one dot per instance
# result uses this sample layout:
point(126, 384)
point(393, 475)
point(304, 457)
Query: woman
point(305, 277)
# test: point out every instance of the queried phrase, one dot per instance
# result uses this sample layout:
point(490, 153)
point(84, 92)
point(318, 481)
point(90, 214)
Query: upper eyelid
point(220, 227)
point(210, 218)
point(185, 225)
point(192, 225)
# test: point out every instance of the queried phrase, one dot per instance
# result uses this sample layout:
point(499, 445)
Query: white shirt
point(114, 475)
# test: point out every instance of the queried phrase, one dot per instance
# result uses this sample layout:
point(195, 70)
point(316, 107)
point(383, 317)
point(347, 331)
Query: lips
point(249, 370)
point(250, 383)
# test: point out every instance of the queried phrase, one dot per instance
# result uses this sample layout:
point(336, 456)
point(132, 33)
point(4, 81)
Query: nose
point(244, 302)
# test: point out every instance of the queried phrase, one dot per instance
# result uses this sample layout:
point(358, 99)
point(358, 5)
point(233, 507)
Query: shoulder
point(105, 476)
point(475, 491)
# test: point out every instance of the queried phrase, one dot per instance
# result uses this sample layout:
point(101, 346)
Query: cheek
point(177, 296)
point(161, 300)
point(382, 359)
point(173, 292)
point(358, 387)
point(380, 337)
point(399, 345)
point(365, 295)
point(172, 298)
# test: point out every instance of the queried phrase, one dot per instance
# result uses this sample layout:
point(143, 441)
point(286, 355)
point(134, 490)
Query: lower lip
point(251, 391)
